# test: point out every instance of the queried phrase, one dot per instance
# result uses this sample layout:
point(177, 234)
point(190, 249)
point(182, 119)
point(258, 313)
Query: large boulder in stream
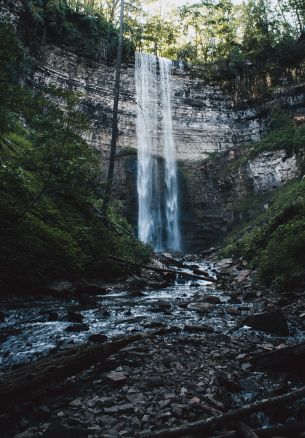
point(271, 322)
point(98, 338)
point(77, 328)
point(74, 317)
point(212, 299)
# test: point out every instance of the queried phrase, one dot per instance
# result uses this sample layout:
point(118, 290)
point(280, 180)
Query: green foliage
point(275, 242)
point(83, 30)
point(12, 67)
point(50, 186)
point(284, 134)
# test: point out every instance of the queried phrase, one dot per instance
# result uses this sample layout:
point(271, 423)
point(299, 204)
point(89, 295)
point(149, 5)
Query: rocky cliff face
point(205, 121)
point(220, 192)
point(203, 116)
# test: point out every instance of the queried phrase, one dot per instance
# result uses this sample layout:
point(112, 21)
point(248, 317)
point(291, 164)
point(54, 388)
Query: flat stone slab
point(115, 378)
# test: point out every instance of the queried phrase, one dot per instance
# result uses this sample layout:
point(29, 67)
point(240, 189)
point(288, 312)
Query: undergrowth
point(50, 185)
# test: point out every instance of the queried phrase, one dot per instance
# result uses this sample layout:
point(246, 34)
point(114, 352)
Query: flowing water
point(27, 332)
point(158, 217)
point(171, 196)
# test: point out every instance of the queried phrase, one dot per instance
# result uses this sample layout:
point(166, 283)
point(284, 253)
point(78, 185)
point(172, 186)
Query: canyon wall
point(209, 131)
point(204, 118)
point(205, 122)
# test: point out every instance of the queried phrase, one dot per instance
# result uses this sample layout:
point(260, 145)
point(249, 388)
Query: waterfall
point(158, 216)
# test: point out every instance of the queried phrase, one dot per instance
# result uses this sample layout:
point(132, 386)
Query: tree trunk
point(286, 359)
point(28, 381)
point(184, 274)
point(114, 134)
point(245, 430)
point(227, 418)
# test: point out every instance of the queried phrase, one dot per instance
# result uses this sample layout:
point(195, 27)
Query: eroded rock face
point(271, 169)
point(205, 120)
point(215, 189)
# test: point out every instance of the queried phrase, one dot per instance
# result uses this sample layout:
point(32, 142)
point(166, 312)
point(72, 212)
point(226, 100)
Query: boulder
point(53, 316)
point(135, 293)
point(200, 272)
point(248, 296)
point(211, 299)
point(77, 328)
point(192, 267)
point(86, 301)
point(2, 317)
point(163, 305)
point(9, 331)
point(104, 312)
point(198, 328)
point(74, 317)
point(98, 338)
point(116, 379)
point(271, 322)
point(243, 276)
point(234, 300)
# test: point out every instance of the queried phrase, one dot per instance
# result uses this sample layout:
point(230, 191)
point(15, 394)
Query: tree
point(114, 133)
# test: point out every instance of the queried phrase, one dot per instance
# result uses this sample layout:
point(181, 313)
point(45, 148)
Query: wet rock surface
point(194, 366)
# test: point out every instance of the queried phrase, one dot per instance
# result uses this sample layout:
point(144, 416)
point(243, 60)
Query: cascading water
point(158, 218)
point(171, 193)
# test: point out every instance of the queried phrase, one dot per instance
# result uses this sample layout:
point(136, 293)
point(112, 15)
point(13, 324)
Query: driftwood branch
point(30, 380)
point(220, 420)
point(289, 430)
point(120, 261)
point(289, 358)
point(245, 430)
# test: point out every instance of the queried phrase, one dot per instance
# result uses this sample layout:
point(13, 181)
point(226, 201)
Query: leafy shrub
point(86, 33)
point(275, 242)
point(284, 134)
point(51, 188)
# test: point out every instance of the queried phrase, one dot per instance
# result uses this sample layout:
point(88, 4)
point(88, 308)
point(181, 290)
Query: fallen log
point(30, 380)
point(227, 418)
point(123, 262)
point(289, 430)
point(245, 431)
point(168, 260)
point(209, 251)
point(285, 359)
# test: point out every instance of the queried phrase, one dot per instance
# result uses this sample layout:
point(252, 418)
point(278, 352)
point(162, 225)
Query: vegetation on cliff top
point(50, 184)
point(229, 41)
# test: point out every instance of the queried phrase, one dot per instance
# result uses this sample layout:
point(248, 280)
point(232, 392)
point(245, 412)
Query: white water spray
point(158, 218)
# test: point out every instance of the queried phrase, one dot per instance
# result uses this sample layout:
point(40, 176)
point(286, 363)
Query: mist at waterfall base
point(157, 183)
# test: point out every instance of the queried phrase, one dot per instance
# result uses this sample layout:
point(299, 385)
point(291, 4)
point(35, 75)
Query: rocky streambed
point(197, 363)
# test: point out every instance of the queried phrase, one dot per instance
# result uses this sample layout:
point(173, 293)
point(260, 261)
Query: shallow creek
point(119, 314)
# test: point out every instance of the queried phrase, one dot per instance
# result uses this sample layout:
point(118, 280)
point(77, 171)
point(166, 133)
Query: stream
point(203, 352)
point(27, 333)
